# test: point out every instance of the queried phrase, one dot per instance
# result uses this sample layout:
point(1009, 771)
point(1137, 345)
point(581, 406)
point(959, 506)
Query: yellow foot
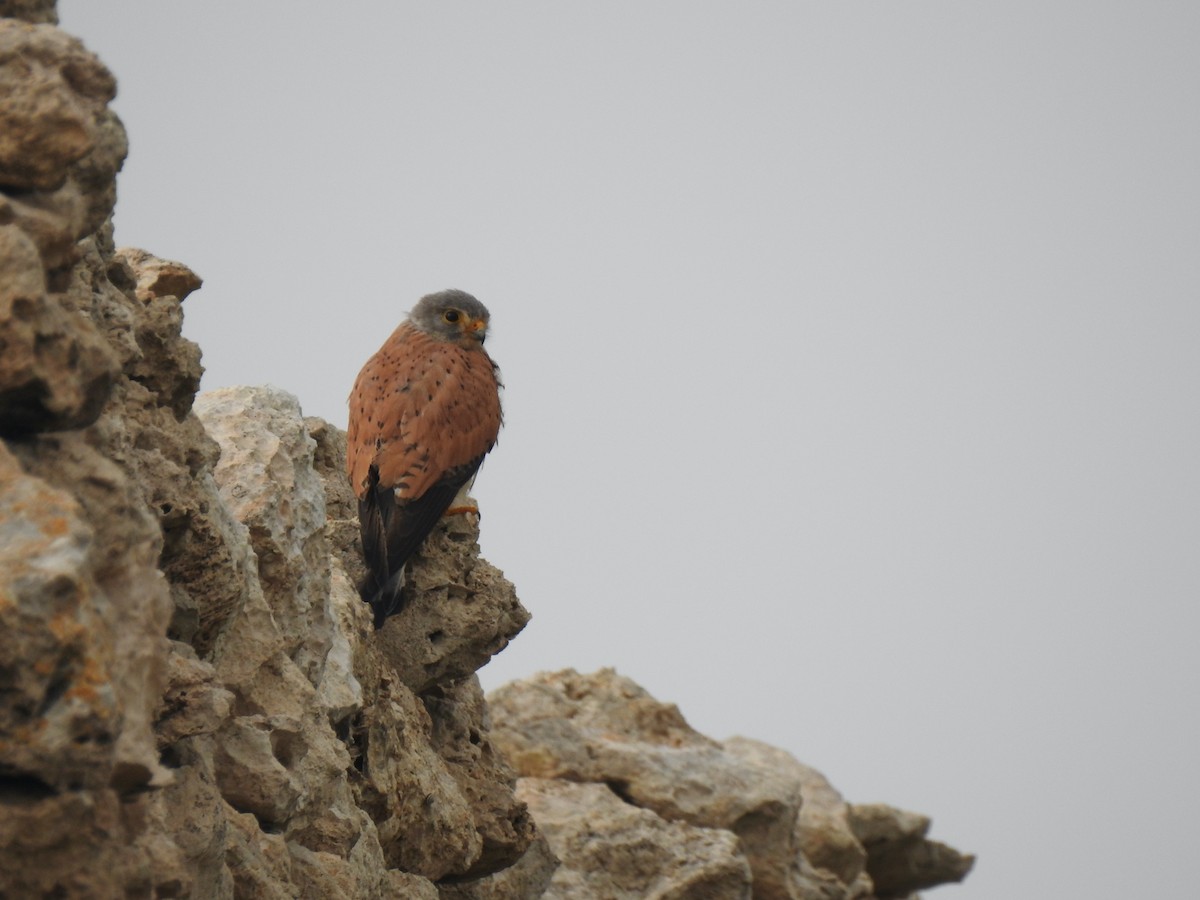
point(461, 510)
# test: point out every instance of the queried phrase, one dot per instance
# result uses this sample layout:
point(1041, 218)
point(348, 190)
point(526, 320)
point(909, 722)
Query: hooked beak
point(476, 328)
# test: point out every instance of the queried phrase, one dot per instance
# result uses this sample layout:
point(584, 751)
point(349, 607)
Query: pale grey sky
point(852, 357)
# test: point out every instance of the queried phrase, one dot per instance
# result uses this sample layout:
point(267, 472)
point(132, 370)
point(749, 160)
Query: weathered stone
point(900, 859)
point(35, 11)
point(823, 831)
point(440, 800)
point(167, 364)
point(189, 817)
point(267, 481)
point(410, 887)
point(329, 462)
point(193, 702)
point(208, 562)
point(320, 875)
point(60, 149)
point(462, 611)
point(462, 738)
point(86, 603)
point(52, 220)
point(611, 849)
point(604, 728)
point(54, 90)
point(528, 877)
point(252, 779)
point(59, 718)
point(157, 278)
point(339, 691)
point(425, 823)
point(56, 371)
point(258, 862)
point(281, 759)
point(75, 845)
point(794, 829)
point(95, 174)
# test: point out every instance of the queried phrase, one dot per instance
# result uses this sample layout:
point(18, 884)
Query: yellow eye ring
point(451, 315)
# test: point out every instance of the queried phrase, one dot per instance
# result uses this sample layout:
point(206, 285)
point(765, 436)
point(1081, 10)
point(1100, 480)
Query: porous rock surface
point(193, 701)
point(564, 731)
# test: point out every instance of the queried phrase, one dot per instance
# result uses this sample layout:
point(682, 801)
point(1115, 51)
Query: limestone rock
point(528, 877)
point(823, 832)
point(462, 611)
point(424, 821)
point(329, 462)
point(258, 861)
point(189, 821)
point(158, 278)
point(55, 369)
point(322, 875)
point(604, 728)
point(267, 481)
point(52, 221)
point(104, 620)
point(35, 11)
point(115, 627)
point(56, 702)
point(440, 801)
point(798, 836)
point(60, 149)
point(86, 605)
point(194, 703)
point(462, 738)
point(166, 363)
point(612, 849)
point(900, 859)
point(88, 609)
point(339, 690)
point(55, 90)
point(427, 823)
point(70, 844)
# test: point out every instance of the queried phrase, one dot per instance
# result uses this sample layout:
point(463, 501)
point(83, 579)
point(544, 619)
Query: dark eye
point(451, 315)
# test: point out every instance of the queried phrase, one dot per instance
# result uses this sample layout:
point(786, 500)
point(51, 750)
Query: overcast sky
point(852, 357)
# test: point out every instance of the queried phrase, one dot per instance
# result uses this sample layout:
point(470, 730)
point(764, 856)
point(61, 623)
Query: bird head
point(453, 316)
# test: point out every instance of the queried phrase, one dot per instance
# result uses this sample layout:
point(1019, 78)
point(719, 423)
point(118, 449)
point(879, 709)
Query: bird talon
point(461, 510)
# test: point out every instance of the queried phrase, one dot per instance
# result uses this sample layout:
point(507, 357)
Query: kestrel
point(424, 412)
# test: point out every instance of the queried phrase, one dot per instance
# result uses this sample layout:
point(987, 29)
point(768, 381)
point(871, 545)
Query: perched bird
point(424, 412)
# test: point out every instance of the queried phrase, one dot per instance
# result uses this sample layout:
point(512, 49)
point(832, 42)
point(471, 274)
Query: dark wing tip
point(392, 531)
point(388, 600)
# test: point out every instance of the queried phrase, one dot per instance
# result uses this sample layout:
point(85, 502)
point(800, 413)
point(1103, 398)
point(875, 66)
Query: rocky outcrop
point(60, 148)
point(629, 766)
point(610, 848)
point(900, 859)
point(193, 700)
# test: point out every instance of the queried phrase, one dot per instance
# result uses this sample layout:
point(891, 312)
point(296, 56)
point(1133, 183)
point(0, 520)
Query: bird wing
point(393, 529)
point(423, 414)
point(419, 408)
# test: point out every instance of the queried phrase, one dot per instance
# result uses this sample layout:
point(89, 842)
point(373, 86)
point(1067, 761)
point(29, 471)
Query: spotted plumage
point(424, 412)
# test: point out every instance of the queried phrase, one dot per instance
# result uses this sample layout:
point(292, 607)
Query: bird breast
point(420, 407)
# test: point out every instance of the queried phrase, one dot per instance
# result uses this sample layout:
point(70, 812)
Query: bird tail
point(387, 600)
